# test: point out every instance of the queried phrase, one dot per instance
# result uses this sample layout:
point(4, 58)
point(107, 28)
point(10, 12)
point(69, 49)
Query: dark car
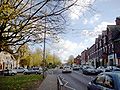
point(106, 81)
point(33, 71)
point(9, 72)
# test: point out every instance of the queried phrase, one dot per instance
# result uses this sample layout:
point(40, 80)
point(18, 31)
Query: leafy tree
point(36, 58)
point(24, 55)
point(70, 59)
point(52, 60)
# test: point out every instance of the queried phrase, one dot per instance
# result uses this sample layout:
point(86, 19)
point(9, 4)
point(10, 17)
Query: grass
point(20, 82)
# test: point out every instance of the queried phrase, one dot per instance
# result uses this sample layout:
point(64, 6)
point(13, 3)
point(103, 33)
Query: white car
point(35, 70)
point(20, 69)
point(67, 69)
point(76, 67)
point(9, 72)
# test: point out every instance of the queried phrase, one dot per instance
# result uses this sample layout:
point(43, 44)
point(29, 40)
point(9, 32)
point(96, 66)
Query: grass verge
point(20, 82)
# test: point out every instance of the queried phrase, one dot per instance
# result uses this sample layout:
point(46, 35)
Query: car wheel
point(12, 74)
point(25, 73)
point(88, 88)
point(36, 73)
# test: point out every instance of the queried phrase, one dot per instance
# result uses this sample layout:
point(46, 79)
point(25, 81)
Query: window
point(105, 81)
point(109, 82)
point(100, 79)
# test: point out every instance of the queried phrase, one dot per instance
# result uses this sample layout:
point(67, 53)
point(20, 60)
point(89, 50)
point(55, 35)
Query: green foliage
point(18, 82)
point(36, 57)
point(25, 55)
point(52, 60)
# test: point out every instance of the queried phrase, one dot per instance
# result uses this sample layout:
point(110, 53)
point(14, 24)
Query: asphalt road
point(75, 80)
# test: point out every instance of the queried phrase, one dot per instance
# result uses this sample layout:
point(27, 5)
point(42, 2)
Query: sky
point(85, 25)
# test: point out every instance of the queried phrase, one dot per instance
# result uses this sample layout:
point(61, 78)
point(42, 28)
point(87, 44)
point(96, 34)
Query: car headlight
point(89, 83)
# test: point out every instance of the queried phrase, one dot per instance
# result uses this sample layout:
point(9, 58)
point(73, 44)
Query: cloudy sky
point(85, 25)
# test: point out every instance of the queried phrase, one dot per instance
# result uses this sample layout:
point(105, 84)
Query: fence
point(59, 83)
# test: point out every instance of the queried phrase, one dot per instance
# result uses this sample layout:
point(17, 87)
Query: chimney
point(117, 20)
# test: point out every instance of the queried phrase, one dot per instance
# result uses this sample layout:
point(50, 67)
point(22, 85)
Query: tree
point(23, 21)
point(52, 60)
point(24, 56)
point(71, 59)
point(36, 57)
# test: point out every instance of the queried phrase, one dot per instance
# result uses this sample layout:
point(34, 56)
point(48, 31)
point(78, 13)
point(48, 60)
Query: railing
point(59, 83)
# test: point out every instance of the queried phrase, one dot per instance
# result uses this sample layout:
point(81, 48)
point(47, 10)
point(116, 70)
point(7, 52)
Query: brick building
point(84, 57)
point(77, 60)
point(106, 49)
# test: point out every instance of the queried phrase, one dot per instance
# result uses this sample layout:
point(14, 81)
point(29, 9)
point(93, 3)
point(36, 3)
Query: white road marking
point(66, 83)
point(83, 74)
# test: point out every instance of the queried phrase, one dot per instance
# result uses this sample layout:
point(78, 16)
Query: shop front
point(112, 59)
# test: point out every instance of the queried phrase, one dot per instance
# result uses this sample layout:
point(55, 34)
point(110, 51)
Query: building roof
point(115, 30)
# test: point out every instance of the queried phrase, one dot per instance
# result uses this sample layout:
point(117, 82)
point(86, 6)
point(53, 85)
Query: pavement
point(49, 83)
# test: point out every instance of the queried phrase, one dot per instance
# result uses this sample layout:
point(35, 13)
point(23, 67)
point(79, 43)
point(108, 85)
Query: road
point(75, 80)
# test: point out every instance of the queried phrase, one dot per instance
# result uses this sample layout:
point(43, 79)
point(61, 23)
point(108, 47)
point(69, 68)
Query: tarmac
point(49, 83)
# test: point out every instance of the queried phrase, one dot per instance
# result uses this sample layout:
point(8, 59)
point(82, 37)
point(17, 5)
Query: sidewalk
point(50, 83)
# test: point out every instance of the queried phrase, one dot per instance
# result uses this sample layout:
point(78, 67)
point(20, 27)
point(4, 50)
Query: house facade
point(106, 49)
point(7, 61)
point(77, 60)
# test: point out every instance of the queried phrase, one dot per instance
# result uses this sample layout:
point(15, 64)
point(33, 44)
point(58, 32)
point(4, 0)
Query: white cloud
point(85, 21)
point(95, 18)
point(96, 31)
point(69, 47)
point(80, 8)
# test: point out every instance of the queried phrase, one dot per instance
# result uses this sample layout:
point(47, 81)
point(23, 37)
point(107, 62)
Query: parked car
point(1, 72)
point(33, 71)
point(67, 69)
point(90, 71)
point(19, 69)
point(106, 81)
point(61, 67)
point(112, 68)
point(101, 69)
point(85, 67)
point(9, 72)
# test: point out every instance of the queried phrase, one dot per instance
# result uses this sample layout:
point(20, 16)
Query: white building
point(7, 61)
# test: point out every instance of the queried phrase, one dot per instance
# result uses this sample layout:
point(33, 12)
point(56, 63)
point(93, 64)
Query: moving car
point(9, 72)
point(67, 69)
point(106, 81)
point(35, 70)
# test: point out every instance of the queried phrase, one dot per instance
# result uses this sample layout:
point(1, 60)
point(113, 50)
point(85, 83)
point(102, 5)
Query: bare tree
point(24, 21)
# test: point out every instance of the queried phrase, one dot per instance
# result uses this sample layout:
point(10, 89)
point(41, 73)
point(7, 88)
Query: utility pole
point(44, 55)
point(53, 57)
